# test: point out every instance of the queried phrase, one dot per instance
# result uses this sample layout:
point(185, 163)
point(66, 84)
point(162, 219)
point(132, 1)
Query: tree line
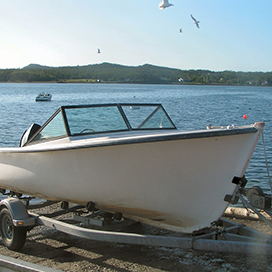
point(144, 74)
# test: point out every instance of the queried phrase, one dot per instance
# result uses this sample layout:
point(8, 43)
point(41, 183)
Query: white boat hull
point(176, 184)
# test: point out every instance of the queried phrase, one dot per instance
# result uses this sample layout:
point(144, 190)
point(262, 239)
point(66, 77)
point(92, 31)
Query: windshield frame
point(121, 106)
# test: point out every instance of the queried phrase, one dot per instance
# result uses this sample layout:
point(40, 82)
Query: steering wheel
point(86, 130)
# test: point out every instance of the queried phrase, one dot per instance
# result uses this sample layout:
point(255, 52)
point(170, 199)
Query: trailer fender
point(20, 216)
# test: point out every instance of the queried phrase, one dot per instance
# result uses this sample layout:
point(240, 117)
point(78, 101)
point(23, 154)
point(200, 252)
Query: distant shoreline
point(120, 74)
point(126, 83)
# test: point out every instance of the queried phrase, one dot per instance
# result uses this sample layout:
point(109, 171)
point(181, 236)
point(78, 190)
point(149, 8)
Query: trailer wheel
point(13, 237)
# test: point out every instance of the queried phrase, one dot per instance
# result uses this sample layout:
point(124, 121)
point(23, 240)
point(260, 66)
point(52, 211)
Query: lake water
point(190, 107)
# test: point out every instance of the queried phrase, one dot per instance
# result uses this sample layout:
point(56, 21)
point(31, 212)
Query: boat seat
point(29, 133)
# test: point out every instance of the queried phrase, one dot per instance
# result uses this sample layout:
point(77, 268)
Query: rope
point(266, 163)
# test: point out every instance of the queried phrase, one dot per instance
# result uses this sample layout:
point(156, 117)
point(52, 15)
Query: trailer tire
point(13, 237)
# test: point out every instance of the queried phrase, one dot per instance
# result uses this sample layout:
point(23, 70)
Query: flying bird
point(180, 31)
point(164, 4)
point(195, 21)
point(98, 51)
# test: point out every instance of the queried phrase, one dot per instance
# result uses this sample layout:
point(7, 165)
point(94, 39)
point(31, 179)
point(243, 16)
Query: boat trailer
point(223, 235)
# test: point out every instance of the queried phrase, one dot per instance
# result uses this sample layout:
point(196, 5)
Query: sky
point(233, 35)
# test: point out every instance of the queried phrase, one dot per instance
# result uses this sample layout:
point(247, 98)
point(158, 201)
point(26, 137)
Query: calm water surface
point(190, 107)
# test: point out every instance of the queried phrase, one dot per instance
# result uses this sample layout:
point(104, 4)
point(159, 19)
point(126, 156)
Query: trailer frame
point(223, 235)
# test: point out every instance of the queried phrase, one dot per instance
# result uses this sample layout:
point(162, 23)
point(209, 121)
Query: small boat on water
point(135, 163)
point(44, 97)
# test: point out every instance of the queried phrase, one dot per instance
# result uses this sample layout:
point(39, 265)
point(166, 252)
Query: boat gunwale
point(128, 139)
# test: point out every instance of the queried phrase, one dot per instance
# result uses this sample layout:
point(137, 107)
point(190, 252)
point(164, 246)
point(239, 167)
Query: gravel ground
point(48, 247)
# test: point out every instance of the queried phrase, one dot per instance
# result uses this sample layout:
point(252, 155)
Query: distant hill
point(35, 66)
point(143, 74)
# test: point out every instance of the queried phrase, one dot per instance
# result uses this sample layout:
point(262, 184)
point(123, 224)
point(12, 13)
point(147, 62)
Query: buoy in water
point(245, 116)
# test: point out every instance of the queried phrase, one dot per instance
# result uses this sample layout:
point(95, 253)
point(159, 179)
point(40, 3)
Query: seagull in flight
point(195, 21)
point(164, 4)
point(98, 51)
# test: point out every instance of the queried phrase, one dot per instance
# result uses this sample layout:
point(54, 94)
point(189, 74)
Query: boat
point(44, 97)
point(134, 163)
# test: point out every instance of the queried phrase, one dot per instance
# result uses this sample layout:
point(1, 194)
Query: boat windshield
point(93, 119)
point(84, 120)
point(147, 117)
